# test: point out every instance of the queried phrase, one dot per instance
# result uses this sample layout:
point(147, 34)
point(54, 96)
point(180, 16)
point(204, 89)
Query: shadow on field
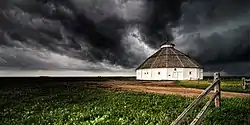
point(19, 91)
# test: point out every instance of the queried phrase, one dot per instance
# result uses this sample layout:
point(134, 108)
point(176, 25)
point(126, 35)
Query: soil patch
point(162, 87)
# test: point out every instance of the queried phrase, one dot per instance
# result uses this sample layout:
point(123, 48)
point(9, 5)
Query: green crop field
point(81, 105)
point(231, 85)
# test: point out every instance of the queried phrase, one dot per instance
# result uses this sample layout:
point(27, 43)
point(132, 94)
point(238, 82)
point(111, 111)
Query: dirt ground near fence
point(163, 87)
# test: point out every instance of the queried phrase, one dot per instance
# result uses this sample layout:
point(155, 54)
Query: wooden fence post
point(244, 83)
point(217, 90)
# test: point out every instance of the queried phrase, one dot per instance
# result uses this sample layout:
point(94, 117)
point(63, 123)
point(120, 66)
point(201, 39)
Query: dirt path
point(166, 87)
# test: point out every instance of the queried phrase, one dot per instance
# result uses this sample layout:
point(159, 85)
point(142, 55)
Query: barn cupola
point(168, 44)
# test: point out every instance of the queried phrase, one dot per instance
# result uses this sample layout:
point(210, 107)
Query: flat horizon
point(75, 73)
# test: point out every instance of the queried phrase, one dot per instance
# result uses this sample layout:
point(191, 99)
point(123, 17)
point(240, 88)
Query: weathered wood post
point(217, 90)
point(244, 83)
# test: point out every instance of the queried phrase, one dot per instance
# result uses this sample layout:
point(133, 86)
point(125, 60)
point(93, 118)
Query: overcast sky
point(115, 36)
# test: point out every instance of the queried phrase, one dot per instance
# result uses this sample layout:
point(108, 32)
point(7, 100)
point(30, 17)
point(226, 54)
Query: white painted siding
point(169, 74)
point(175, 74)
point(195, 74)
point(146, 74)
point(201, 74)
point(138, 74)
point(190, 74)
point(159, 73)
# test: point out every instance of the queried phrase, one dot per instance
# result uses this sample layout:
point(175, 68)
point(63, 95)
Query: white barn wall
point(195, 74)
point(201, 74)
point(138, 74)
point(146, 74)
point(159, 73)
point(187, 75)
point(175, 74)
point(169, 74)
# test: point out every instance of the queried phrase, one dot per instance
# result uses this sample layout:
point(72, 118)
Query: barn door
point(175, 74)
point(180, 75)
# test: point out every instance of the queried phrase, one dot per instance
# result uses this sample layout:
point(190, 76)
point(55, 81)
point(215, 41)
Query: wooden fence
point(245, 83)
point(216, 97)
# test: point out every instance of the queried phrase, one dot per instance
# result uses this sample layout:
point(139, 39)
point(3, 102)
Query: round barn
point(169, 63)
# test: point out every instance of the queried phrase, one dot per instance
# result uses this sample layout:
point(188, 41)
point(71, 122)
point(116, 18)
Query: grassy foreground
point(60, 105)
point(226, 85)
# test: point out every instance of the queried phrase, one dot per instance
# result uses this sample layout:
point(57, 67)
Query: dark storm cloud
point(165, 15)
point(218, 48)
point(217, 34)
point(123, 33)
point(98, 25)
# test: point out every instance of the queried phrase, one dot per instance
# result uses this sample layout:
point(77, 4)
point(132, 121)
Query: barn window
point(159, 73)
point(174, 69)
point(190, 73)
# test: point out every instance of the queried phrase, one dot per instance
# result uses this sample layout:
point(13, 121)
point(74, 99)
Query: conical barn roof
point(169, 57)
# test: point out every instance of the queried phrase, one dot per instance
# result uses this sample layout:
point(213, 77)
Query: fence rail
point(216, 97)
point(245, 83)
